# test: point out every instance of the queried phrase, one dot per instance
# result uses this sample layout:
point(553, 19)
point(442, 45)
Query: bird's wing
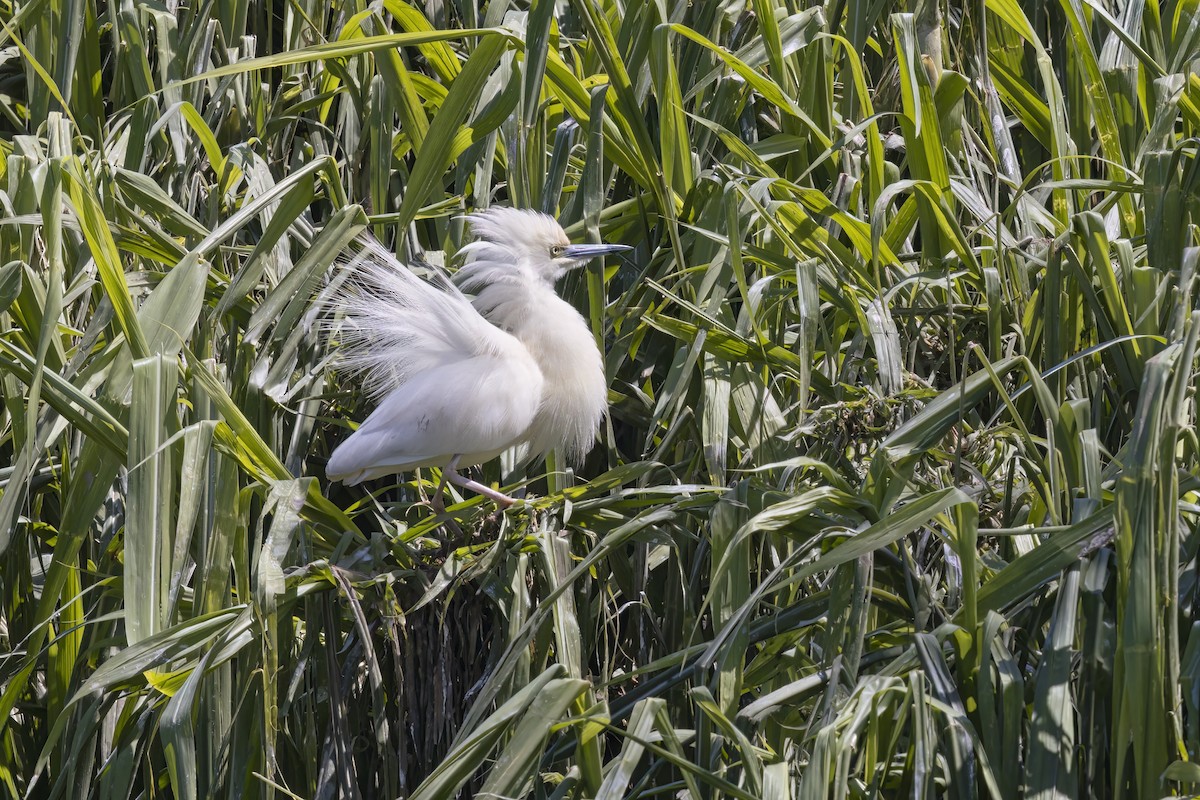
point(393, 325)
point(475, 408)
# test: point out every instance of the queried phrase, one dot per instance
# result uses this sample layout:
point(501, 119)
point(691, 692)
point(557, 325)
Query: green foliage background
point(898, 496)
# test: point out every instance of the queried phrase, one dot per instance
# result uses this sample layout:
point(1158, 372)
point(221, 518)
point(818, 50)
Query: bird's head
point(537, 243)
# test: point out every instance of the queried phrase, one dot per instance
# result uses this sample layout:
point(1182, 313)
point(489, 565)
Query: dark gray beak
point(582, 252)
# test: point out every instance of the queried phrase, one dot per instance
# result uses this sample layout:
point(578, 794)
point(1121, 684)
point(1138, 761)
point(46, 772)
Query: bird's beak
point(582, 252)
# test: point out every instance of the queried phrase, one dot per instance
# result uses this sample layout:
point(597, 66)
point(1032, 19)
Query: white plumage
point(459, 380)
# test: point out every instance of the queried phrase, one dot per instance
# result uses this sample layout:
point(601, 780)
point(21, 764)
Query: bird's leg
point(450, 471)
point(500, 498)
point(439, 506)
point(435, 501)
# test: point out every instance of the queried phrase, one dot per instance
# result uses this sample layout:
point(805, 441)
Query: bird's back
point(449, 383)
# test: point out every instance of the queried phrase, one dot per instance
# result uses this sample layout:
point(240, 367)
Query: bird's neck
point(546, 324)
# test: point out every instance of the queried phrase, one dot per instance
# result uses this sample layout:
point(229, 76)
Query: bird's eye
point(557, 250)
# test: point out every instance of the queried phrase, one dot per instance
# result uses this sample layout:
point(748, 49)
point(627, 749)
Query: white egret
point(459, 380)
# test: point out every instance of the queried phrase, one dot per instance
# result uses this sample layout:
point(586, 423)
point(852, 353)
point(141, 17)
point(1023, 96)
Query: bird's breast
point(574, 388)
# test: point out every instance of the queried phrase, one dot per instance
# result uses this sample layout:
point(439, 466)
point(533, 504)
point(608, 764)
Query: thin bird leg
point(436, 502)
point(439, 507)
point(477, 487)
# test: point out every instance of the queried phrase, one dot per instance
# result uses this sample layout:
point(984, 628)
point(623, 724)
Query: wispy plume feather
point(391, 324)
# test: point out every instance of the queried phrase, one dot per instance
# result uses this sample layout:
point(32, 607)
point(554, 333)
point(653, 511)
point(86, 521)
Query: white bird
point(459, 380)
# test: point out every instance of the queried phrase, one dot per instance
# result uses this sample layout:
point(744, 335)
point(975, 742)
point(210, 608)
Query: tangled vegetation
point(899, 491)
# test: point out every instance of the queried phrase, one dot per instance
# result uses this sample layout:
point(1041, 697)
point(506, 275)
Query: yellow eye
point(557, 250)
